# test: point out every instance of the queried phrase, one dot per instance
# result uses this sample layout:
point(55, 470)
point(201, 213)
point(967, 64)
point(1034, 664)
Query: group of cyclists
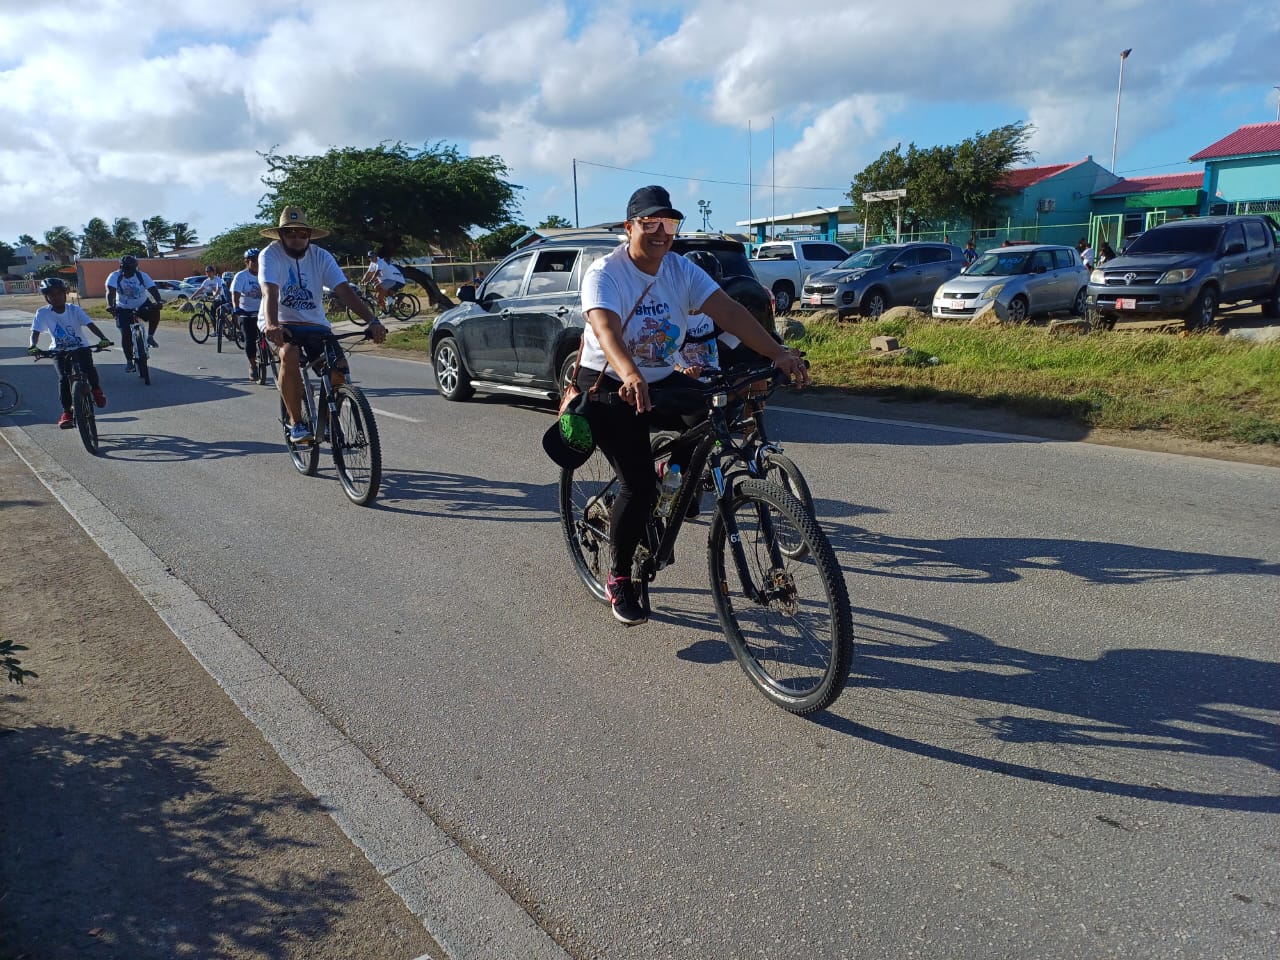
point(640, 305)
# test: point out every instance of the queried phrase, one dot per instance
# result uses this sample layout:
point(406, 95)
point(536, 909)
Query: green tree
point(554, 222)
point(496, 245)
point(26, 240)
point(226, 250)
point(181, 235)
point(956, 183)
point(391, 196)
point(59, 243)
point(7, 257)
point(96, 240)
point(125, 232)
point(155, 230)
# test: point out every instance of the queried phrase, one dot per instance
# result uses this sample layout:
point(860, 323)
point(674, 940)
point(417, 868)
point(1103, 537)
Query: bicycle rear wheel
point(82, 403)
point(783, 471)
point(9, 397)
point(198, 326)
point(357, 450)
point(789, 623)
point(358, 320)
point(305, 457)
point(586, 500)
point(406, 306)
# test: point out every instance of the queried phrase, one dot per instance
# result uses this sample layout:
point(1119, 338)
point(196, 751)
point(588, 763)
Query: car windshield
point(1202, 238)
point(872, 257)
point(734, 263)
point(1000, 264)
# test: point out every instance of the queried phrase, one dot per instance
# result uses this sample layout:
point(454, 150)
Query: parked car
point(174, 290)
point(519, 331)
point(877, 278)
point(1018, 282)
point(782, 265)
point(1188, 268)
point(194, 281)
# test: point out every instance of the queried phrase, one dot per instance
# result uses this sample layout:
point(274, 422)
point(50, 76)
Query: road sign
point(884, 195)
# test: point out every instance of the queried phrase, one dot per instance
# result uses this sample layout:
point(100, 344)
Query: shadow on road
point(456, 496)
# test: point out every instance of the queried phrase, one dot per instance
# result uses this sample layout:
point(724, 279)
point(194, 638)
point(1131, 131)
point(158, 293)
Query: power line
point(673, 176)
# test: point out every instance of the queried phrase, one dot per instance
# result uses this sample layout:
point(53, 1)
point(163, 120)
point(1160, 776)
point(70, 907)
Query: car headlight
point(1097, 277)
point(992, 291)
point(1181, 275)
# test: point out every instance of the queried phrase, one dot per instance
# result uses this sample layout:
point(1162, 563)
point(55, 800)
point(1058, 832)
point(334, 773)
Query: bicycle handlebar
point(50, 354)
point(691, 399)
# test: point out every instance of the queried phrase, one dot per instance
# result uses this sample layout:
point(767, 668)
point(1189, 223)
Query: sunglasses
point(652, 224)
point(294, 232)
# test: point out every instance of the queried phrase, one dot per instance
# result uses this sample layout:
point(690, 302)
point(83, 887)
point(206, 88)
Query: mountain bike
point(778, 590)
point(81, 396)
point(9, 397)
point(226, 325)
point(201, 324)
point(340, 415)
point(137, 334)
point(402, 305)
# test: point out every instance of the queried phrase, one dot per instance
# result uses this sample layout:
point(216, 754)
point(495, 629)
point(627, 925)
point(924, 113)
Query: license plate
point(815, 299)
point(1126, 303)
point(956, 304)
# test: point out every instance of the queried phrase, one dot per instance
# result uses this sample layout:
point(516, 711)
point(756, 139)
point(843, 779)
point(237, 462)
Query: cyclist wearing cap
point(127, 292)
point(388, 275)
point(246, 299)
point(212, 287)
point(637, 302)
point(66, 323)
point(293, 272)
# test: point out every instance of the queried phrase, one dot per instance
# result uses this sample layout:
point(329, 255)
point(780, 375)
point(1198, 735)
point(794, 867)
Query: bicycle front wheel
point(357, 450)
point(358, 320)
point(305, 457)
point(9, 397)
point(140, 354)
point(586, 501)
point(406, 306)
point(82, 403)
point(783, 471)
point(198, 327)
point(788, 619)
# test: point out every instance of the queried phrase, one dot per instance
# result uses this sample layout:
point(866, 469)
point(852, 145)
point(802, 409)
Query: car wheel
point(1271, 307)
point(874, 303)
point(783, 297)
point(566, 373)
point(1078, 305)
point(451, 375)
point(1200, 316)
point(1018, 309)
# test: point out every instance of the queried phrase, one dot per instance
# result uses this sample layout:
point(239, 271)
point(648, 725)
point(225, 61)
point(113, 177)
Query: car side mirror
point(1039, 268)
point(896, 266)
point(1234, 247)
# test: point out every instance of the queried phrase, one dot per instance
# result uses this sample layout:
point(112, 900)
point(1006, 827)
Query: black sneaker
point(626, 606)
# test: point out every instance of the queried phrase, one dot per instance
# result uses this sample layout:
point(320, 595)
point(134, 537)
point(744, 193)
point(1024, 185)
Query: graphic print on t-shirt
point(295, 295)
point(656, 340)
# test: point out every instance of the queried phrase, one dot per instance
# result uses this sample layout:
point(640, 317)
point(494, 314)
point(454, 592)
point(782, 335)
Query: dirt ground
point(144, 817)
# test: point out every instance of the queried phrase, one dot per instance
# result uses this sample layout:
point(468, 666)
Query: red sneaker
point(65, 422)
point(99, 397)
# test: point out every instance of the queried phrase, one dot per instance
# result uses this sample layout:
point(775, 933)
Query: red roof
point(1167, 181)
point(1015, 181)
point(1252, 138)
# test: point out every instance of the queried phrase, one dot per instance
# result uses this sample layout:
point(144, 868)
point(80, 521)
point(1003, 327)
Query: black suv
point(1189, 268)
point(519, 332)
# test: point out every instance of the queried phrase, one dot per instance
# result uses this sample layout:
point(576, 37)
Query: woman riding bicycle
point(65, 323)
point(637, 303)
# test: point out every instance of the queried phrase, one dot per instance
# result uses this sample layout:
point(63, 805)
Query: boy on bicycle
point(128, 289)
point(65, 323)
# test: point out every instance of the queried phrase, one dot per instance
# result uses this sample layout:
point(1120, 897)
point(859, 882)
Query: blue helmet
point(251, 253)
point(52, 283)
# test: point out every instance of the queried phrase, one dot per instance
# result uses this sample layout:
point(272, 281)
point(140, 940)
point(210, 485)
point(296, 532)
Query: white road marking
point(394, 416)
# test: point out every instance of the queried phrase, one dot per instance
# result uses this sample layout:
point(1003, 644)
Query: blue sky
point(172, 123)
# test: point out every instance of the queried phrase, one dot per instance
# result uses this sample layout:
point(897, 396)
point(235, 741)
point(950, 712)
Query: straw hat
point(294, 217)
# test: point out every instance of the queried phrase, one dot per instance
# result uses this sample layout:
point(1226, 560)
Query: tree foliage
point(155, 230)
point(59, 243)
point(226, 250)
point(181, 235)
point(496, 245)
point(554, 222)
point(26, 240)
point(7, 257)
point(944, 184)
point(391, 196)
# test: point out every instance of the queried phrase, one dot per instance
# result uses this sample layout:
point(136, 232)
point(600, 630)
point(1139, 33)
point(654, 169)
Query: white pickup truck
point(783, 265)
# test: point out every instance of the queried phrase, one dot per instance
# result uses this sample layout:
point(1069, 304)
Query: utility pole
point(704, 207)
point(1115, 137)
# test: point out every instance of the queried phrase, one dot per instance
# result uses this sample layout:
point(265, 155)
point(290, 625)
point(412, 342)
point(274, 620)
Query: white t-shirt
point(246, 284)
point(301, 283)
point(210, 287)
point(69, 329)
point(657, 329)
point(387, 272)
point(131, 292)
point(1086, 256)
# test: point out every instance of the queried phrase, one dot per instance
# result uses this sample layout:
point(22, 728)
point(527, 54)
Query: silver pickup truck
point(783, 265)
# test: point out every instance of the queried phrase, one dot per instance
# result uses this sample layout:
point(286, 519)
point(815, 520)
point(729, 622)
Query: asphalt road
point(1059, 739)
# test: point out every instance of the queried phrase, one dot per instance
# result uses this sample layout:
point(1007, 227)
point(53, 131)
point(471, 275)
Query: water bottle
point(668, 487)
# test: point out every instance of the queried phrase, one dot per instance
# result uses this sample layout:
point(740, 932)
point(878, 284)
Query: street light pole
point(1277, 89)
point(1115, 137)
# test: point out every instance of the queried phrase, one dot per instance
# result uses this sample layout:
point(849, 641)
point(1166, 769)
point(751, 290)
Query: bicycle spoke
point(586, 499)
point(357, 451)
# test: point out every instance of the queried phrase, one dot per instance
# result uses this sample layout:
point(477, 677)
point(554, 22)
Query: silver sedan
point(1018, 283)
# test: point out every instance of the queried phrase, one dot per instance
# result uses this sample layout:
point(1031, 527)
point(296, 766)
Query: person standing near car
point(246, 300)
point(129, 289)
point(637, 302)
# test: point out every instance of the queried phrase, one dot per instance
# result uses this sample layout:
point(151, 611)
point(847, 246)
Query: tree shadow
point(1176, 726)
point(458, 496)
point(121, 844)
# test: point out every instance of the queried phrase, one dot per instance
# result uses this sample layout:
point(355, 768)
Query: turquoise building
point(1242, 171)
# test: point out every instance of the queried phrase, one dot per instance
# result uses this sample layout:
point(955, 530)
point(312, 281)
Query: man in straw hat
point(293, 274)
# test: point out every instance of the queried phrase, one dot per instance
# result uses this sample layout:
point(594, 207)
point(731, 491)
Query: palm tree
point(154, 230)
point(26, 240)
point(125, 232)
point(181, 235)
point(59, 243)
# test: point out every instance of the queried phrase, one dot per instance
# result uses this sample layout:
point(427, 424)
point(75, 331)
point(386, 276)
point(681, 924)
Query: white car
point(174, 290)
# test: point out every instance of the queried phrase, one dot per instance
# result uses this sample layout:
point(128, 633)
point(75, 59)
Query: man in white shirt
point(246, 300)
point(293, 273)
point(389, 277)
point(129, 291)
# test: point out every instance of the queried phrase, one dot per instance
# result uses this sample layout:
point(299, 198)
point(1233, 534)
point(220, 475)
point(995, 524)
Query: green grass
point(416, 336)
point(1200, 387)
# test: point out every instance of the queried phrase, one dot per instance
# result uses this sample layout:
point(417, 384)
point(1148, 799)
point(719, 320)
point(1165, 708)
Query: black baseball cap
point(651, 201)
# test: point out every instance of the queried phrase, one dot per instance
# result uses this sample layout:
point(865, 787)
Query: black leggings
point(623, 436)
point(249, 325)
point(65, 366)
